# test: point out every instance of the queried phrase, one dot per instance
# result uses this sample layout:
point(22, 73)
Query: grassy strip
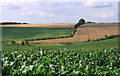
point(104, 44)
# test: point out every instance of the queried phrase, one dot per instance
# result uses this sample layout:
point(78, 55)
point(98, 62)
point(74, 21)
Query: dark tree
point(27, 43)
point(25, 23)
point(22, 43)
point(13, 42)
point(81, 21)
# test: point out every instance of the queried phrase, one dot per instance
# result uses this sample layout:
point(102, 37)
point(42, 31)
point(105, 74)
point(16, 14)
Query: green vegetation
point(50, 59)
point(104, 44)
point(26, 33)
point(0, 38)
point(62, 62)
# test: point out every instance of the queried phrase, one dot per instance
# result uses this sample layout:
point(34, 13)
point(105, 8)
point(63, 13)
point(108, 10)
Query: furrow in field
point(83, 34)
point(92, 33)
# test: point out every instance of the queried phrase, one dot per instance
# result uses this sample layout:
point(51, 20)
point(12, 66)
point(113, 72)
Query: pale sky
point(59, 12)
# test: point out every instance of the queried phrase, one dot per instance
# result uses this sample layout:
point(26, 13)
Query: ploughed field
point(89, 31)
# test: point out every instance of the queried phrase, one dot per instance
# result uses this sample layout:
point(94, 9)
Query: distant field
point(50, 25)
point(89, 31)
point(22, 33)
point(85, 32)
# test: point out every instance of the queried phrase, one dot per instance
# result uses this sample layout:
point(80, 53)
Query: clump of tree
point(81, 21)
point(25, 23)
point(25, 42)
point(88, 40)
point(104, 38)
point(69, 43)
point(22, 43)
point(13, 42)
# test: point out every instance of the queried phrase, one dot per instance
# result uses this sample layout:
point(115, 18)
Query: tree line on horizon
point(7, 23)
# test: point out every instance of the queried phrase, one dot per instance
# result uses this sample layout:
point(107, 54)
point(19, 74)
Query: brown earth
point(89, 31)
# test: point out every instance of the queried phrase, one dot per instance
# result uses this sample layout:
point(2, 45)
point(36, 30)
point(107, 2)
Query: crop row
point(62, 62)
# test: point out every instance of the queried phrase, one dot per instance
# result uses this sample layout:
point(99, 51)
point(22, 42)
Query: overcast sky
point(59, 12)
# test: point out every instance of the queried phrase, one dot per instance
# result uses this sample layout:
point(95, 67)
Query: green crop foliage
point(104, 44)
point(63, 62)
point(23, 33)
